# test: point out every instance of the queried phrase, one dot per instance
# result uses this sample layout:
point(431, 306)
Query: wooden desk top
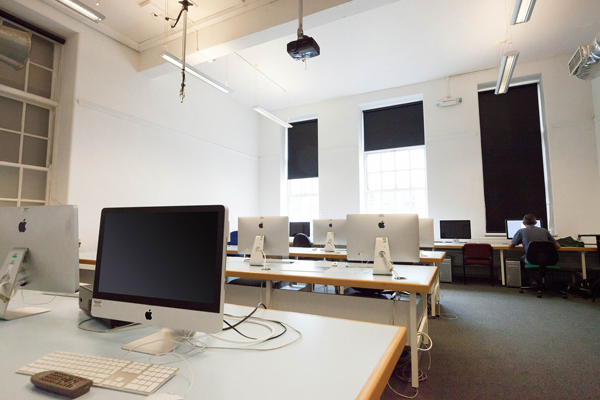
point(518, 248)
point(345, 370)
point(419, 278)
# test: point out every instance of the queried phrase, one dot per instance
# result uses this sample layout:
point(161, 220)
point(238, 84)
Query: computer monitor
point(162, 266)
point(426, 236)
point(299, 227)
point(455, 229)
point(39, 250)
point(258, 235)
point(322, 227)
point(513, 225)
point(401, 245)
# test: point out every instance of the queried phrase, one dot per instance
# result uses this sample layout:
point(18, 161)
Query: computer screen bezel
point(447, 221)
point(520, 220)
point(339, 229)
point(402, 231)
point(216, 306)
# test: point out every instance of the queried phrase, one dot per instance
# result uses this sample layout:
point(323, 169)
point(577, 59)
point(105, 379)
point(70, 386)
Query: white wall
point(126, 140)
point(596, 93)
point(454, 167)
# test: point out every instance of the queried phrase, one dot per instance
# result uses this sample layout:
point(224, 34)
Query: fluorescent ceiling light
point(522, 12)
point(509, 60)
point(82, 9)
point(273, 118)
point(193, 71)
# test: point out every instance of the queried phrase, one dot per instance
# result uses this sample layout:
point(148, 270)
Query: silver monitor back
point(402, 231)
point(322, 226)
point(426, 236)
point(50, 233)
point(274, 229)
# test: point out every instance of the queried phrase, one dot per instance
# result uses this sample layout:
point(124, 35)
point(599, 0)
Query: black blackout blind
point(511, 149)
point(396, 126)
point(303, 150)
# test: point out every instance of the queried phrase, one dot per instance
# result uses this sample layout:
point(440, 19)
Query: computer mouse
point(164, 396)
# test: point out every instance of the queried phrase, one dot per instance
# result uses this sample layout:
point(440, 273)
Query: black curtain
point(303, 150)
point(511, 149)
point(395, 126)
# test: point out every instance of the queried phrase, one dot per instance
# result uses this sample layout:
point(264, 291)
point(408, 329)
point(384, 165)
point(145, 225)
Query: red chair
point(478, 254)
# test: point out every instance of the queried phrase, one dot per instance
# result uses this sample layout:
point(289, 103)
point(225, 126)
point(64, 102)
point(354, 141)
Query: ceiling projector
point(303, 48)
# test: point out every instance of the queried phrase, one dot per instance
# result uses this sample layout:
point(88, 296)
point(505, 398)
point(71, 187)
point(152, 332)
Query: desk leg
point(583, 268)
point(502, 267)
point(268, 287)
point(435, 293)
point(414, 350)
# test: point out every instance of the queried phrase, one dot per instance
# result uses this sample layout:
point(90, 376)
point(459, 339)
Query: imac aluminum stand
point(257, 258)
point(161, 342)
point(380, 266)
point(329, 246)
point(11, 269)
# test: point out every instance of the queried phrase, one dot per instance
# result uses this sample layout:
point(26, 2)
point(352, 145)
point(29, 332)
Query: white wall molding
point(568, 124)
point(139, 121)
point(342, 150)
point(451, 137)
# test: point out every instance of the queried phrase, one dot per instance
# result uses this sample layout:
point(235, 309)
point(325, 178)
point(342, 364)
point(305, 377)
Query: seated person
point(530, 233)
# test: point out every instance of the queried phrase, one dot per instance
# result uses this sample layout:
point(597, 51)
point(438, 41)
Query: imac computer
point(455, 230)
point(426, 236)
point(299, 227)
point(329, 232)
point(162, 266)
point(39, 250)
point(383, 239)
point(263, 236)
point(513, 225)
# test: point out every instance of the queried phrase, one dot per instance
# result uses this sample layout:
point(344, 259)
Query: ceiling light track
point(82, 9)
point(194, 72)
point(272, 117)
point(522, 11)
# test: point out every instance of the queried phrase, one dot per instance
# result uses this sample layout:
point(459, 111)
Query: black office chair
point(542, 256)
point(233, 238)
point(596, 285)
point(301, 240)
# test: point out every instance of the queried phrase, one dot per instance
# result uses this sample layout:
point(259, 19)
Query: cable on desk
point(118, 328)
point(33, 304)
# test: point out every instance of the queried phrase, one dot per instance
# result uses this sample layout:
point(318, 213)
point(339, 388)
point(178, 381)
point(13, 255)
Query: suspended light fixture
point(82, 9)
point(522, 12)
point(509, 60)
point(193, 71)
point(273, 118)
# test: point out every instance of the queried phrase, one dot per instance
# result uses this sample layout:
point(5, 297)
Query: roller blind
point(303, 150)
point(395, 126)
point(511, 150)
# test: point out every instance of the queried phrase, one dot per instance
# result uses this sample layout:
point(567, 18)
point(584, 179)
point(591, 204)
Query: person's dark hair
point(529, 219)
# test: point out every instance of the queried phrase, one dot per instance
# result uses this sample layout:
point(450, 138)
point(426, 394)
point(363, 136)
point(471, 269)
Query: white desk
point(326, 362)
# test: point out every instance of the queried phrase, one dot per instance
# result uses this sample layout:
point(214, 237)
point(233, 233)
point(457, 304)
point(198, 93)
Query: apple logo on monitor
point(330, 225)
point(22, 227)
point(148, 315)
point(260, 225)
point(381, 225)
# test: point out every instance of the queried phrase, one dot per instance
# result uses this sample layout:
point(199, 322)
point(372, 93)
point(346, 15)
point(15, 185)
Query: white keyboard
point(110, 373)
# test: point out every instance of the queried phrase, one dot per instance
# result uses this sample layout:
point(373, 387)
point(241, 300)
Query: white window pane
point(34, 185)
point(314, 201)
point(37, 120)
point(10, 77)
point(402, 159)
point(417, 178)
point(9, 146)
point(11, 112)
point(418, 197)
point(403, 201)
point(306, 185)
point(374, 202)
point(305, 205)
point(294, 205)
point(388, 180)
point(295, 186)
point(388, 202)
point(403, 179)
point(9, 182)
point(374, 181)
point(417, 158)
point(373, 163)
point(315, 185)
point(42, 51)
point(387, 161)
point(40, 81)
point(34, 151)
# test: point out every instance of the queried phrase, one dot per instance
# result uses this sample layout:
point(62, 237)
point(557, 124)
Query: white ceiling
point(404, 42)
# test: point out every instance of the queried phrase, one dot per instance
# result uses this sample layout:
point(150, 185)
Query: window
point(395, 167)
point(303, 171)
point(512, 154)
point(26, 124)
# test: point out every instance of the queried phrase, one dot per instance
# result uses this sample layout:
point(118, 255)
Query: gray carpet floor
point(508, 345)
